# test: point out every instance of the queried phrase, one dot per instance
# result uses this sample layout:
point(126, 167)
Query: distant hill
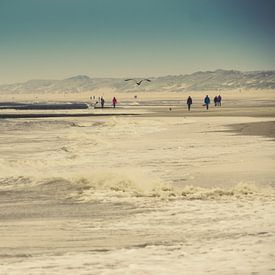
point(199, 81)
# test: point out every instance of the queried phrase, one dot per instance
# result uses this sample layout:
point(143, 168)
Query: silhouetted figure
point(216, 100)
point(114, 102)
point(219, 100)
point(189, 102)
point(207, 102)
point(138, 82)
point(102, 101)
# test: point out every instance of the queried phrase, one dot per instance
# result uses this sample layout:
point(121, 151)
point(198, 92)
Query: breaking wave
point(128, 188)
point(113, 185)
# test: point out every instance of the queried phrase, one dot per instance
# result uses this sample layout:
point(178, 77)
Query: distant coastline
point(198, 81)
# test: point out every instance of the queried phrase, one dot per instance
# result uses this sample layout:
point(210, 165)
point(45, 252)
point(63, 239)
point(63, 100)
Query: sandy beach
point(137, 137)
point(139, 189)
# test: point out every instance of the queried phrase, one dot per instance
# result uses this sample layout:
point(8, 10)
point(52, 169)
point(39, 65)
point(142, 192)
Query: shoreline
point(260, 128)
point(44, 115)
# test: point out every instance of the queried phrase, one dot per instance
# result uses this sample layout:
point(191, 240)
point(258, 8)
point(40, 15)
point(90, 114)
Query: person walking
point(216, 101)
point(219, 100)
point(102, 101)
point(189, 102)
point(114, 102)
point(207, 102)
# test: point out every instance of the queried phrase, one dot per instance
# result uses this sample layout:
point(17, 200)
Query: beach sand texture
point(153, 192)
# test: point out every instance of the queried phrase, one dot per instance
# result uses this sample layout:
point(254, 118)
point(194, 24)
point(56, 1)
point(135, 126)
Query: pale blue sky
point(120, 38)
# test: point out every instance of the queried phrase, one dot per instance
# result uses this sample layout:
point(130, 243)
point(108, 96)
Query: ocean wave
point(108, 186)
point(128, 188)
point(36, 124)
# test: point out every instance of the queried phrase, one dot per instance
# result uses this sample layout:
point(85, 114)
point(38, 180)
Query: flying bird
point(138, 82)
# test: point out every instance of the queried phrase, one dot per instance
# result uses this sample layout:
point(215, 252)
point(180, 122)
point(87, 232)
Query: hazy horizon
point(137, 76)
point(102, 38)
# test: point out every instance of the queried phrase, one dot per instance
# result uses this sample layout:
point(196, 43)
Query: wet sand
point(265, 129)
point(235, 109)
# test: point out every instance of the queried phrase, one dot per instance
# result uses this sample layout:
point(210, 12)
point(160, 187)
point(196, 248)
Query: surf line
point(10, 116)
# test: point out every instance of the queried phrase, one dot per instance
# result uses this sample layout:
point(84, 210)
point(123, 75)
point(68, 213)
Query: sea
point(135, 195)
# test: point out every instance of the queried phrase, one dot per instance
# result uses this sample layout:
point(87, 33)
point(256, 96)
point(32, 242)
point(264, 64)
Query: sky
point(55, 39)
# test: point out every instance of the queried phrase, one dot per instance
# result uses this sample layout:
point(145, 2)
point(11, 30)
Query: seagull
point(138, 82)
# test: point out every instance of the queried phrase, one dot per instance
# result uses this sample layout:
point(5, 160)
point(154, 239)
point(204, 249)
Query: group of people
point(102, 102)
point(189, 102)
point(206, 101)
